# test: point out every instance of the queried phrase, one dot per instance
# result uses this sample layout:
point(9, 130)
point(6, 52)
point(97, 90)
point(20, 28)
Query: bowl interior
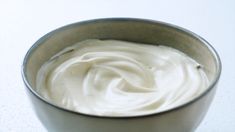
point(136, 30)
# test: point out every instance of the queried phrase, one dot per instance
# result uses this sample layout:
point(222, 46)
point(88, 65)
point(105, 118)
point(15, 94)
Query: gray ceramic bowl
point(183, 118)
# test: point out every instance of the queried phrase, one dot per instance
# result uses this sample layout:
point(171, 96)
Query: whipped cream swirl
point(119, 78)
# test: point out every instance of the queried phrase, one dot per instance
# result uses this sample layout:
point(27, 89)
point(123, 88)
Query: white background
point(22, 22)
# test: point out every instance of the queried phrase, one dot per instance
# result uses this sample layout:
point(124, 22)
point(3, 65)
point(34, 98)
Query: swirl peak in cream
point(119, 78)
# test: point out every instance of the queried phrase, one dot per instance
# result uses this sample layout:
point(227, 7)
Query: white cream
point(118, 78)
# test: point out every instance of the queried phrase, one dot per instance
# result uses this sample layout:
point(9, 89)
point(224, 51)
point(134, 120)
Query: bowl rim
point(149, 21)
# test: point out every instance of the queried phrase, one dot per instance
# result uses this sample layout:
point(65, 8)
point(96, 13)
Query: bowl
point(183, 118)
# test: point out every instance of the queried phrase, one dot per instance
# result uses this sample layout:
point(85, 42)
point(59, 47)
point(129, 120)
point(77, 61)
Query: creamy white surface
point(118, 78)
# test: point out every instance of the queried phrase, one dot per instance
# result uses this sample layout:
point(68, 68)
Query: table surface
point(22, 22)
